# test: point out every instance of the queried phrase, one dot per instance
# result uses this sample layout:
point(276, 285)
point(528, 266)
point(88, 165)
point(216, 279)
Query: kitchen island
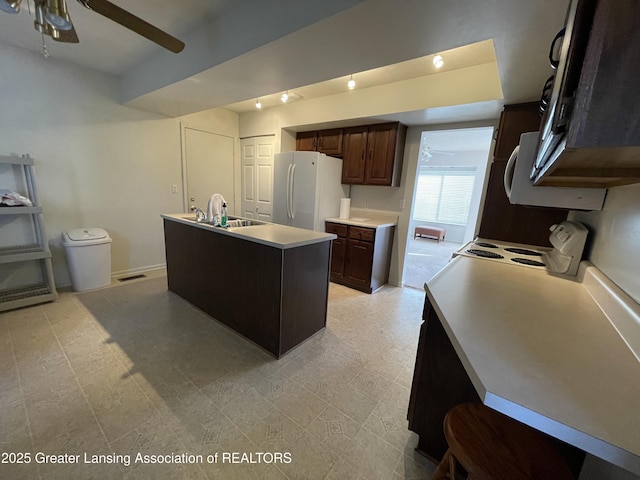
point(268, 282)
point(560, 354)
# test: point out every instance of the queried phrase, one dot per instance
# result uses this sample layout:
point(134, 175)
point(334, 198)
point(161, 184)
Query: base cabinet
point(361, 256)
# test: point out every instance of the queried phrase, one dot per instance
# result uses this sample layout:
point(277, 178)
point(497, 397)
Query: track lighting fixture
point(285, 97)
point(438, 62)
point(258, 104)
point(351, 83)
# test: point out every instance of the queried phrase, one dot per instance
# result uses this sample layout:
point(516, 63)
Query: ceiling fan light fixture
point(10, 6)
point(57, 15)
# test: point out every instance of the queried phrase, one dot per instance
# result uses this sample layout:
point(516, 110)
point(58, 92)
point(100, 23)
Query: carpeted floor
point(425, 257)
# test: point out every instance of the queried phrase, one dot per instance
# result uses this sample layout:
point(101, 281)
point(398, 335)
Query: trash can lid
point(90, 233)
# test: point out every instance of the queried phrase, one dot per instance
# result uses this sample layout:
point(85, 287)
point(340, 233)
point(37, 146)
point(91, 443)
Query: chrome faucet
point(200, 216)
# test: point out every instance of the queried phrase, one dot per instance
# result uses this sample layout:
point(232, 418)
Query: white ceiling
point(238, 50)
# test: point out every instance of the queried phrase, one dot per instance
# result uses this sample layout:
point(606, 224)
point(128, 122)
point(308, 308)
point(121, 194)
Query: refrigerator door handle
point(289, 191)
point(292, 183)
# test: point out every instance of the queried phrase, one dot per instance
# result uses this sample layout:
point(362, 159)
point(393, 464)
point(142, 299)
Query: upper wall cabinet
point(591, 137)
point(502, 221)
point(328, 142)
point(373, 154)
point(515, 120)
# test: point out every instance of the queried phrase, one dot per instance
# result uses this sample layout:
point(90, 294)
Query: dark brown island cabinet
point(360, 256)
point(274, 295)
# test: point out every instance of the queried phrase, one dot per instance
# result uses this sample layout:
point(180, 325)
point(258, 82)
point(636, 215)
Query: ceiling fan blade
point(67, 36)
point(133, 23)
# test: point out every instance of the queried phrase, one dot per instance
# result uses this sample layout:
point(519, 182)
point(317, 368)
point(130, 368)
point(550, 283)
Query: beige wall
point(615, 237)
point(98, 163)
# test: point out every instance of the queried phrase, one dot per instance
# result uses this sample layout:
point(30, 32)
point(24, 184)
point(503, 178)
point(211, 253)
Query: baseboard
point(135, 271)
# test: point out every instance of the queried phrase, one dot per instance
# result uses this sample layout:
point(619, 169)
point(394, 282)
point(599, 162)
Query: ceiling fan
point(427, 153)
point(52, 19)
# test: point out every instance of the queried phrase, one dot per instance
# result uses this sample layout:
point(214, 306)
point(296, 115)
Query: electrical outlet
point(174, 189)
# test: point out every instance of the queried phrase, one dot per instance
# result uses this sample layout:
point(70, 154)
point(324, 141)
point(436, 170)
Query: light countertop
point(539, 348)
point(367, 218)
point(271, 234)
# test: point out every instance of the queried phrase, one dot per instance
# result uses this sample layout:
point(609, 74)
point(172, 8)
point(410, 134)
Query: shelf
point(24, 296)
point(23, 253)
point(16, 160)
point(19, 259)
point(19, 210)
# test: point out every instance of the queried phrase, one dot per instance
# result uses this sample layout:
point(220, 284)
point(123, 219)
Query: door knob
point(193, 199)
point(192, 208)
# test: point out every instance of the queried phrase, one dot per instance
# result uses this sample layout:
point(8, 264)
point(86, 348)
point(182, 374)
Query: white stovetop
point(546, 350)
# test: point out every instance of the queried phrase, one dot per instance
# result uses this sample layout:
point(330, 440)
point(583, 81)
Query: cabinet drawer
point(337, 228)
point(359, 233)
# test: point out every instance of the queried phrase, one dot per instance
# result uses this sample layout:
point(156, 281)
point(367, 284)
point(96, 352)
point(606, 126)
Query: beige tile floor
point(135, 369)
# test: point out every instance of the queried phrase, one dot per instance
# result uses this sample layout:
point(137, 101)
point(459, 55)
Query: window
point(443, 194)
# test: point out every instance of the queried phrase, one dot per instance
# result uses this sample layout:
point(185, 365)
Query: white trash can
point(89, 256)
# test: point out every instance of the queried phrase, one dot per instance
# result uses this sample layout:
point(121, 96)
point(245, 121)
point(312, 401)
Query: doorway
point(451, 170)
point(207, 168)
point(257, 177)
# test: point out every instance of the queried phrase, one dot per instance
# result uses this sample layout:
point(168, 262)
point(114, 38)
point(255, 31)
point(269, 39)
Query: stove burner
point(528, 261)
point(523, 251)
point(485, 245)
point(484, 253)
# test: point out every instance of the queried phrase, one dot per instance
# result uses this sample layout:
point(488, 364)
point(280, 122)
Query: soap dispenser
point(223, 215)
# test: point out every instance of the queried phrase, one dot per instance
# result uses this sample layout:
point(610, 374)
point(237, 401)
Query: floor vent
point(132, 277)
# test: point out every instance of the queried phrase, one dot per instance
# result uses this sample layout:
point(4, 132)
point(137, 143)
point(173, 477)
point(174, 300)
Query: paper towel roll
point(345, 205)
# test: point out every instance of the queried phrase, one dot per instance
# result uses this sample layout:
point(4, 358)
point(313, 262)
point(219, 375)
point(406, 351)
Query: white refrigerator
point(306, 189)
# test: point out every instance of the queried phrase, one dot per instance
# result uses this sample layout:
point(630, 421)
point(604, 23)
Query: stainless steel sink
point(245, 222)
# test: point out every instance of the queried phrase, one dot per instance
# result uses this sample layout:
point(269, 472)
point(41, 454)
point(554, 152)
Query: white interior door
point(257, 177)
point(208, 160)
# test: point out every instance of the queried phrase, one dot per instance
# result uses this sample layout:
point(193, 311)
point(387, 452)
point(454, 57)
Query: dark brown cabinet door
point(501, 220)
point(354, 154)
point(514, 223)
point(514, 121)
point(307, 141)
point(359, 262)
point(381, 145)
point(338, 251)
point(330, 141)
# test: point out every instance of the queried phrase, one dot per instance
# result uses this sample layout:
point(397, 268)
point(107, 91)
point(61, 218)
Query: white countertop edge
point(621, 310)
point(369, 223)
point(242, 233)
point(588, 443)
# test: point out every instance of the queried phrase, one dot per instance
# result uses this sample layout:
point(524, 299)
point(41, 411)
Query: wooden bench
point(430, 232)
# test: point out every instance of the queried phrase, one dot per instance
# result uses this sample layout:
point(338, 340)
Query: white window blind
point(444, 194)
